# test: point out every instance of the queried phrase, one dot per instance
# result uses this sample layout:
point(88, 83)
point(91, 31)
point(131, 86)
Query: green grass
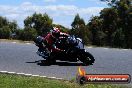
point(20, 81)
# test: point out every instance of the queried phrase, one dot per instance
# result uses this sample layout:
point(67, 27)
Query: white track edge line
point(30, 75)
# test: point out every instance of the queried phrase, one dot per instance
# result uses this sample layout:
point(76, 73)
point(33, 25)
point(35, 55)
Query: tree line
point(113, 27)
point(37, 24)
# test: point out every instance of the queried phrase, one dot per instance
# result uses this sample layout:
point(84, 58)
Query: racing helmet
point(55, 32)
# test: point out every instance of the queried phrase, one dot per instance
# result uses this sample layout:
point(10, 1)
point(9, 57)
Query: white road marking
point(31, 75)
point(35, 75)
point(13, 42)
point(25, 43)
point(20, 73)
point(59, 78)
point(43, 76)
point(51, 77)
point(125, 49)
point(28, 43)
point(28, 74)
point(12, 72)
point(89, 47)
point(3, 71)
point(105, 48)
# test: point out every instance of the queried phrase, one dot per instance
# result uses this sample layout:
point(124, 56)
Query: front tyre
point(87, 59)
point(51, 60)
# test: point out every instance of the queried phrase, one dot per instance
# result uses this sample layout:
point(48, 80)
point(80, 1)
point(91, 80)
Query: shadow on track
point(43, 63)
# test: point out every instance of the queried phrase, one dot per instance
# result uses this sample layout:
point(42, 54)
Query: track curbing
point(7, 72)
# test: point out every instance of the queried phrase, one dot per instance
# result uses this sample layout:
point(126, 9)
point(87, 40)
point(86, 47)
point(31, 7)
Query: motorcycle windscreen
point(80, 44)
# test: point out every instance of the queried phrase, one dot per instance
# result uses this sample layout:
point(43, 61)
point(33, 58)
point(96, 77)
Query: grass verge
point(20, 81)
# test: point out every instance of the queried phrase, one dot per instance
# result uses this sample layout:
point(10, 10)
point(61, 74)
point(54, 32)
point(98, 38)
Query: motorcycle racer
point(57, 45)
point(51, 38)
point(49, 41)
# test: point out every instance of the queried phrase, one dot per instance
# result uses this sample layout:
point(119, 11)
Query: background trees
point(96, 28)
point(5, 32)
point(26, 34)
point(79, 29)
point(120, 22)
point(41, 22)
point(6, 27)
point(112, 28)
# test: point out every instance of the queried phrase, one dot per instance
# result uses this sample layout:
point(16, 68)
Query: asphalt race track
point(22, 58)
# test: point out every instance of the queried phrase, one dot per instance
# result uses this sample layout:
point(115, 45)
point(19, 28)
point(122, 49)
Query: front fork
point(43, 53)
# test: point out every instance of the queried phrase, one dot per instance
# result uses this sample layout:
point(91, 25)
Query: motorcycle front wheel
point(87, 59)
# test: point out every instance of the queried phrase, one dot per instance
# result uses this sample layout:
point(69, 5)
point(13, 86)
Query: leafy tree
point(26, 34)
point(84, 33)
point(3, 21)
point(109, 18)
point(118, 38)
point(76, 24)
point(123, 18)
point(30, 33)
point(13, 26)
point(110, 2)
point(5, 32)
point(79, 29)
point(7, 27)
point(41, 22)
point(125, 9)
point(95, 26)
